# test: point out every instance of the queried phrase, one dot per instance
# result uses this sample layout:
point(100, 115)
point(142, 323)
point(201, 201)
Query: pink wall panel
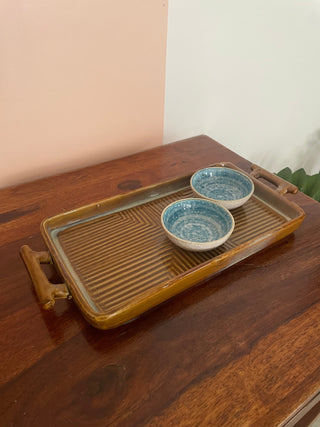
point(80, 82)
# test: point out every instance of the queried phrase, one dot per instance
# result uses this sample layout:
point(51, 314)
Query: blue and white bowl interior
point(197, 220)
point(220, 183)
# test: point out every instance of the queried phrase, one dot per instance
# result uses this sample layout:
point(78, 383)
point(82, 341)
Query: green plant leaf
point(311, 186)
point(298, 178)
point(317, 197)
point(286, 174)
point(308, 184)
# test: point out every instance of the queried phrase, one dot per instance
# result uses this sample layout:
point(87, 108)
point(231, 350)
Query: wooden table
point(241, 349)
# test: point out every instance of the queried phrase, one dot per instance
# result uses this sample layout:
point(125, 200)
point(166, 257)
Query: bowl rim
point(233, 171)
point(201, 244)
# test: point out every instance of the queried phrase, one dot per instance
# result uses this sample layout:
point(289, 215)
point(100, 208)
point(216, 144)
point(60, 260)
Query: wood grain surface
point(242, 348)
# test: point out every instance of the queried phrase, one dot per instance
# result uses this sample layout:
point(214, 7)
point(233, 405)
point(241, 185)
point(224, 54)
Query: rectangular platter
point(117, 262)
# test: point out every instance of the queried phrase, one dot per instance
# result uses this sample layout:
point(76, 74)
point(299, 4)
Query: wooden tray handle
point(47, 292)
point(283, 186)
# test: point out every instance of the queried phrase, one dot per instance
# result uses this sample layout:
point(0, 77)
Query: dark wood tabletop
point(242, 348)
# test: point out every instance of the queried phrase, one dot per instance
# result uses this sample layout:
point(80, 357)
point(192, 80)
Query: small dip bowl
point(222, 185)
point(197, 224)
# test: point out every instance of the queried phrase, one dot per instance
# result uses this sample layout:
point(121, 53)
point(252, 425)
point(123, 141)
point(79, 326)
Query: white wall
point(246, 73)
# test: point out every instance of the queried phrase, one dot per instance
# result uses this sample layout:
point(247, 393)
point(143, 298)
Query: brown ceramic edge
point(46, 291)
point(190, 278)
point(97, 208)
point(302, 410)
point(267, 190)
point(283, 186)
point(180, 283)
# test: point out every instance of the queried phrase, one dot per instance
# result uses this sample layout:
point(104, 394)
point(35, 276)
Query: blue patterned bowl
point(222, 185)
point(197, 224)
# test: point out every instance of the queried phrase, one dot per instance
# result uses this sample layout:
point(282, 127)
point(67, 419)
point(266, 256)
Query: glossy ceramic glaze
point(116, 262)
point(225, 186)
point(243, 348)
point(197, 224)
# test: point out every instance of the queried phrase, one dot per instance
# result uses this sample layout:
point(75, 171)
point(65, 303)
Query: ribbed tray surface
point(120, 256)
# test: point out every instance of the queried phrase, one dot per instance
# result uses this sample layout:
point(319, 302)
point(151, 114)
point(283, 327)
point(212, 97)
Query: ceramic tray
point(116, 261)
